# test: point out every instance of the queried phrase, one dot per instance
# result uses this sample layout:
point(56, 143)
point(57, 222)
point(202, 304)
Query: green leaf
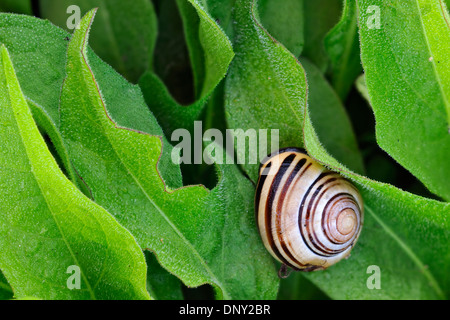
point(126, 106)
point(320, 17)
point(284, 22)
point(200, 236)
point(331, 120)
point(342, 47)
point(191, 27)
point(124, 33)
point(210, 53)
point(170, 114)
point(222, 13)
point(39, 46)
point(265, 87)
point(48, 225)
point(216, 47)
point(39, 51)
point(407, 72)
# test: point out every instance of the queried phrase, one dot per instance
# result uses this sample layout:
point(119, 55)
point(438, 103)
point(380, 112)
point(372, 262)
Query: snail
point(309, 218)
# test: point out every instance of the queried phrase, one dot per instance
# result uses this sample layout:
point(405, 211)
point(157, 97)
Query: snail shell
point(309, 217)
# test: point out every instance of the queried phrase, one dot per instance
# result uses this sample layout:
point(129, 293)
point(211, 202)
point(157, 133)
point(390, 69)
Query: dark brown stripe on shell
point(260, 185)
point(300, 213)
point(283, 193)
point(269, 203)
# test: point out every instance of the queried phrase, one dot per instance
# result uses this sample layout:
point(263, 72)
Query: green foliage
point(128, 47)
point(126, 160)
point(87, 177)
point(64, 227)
point(407, 72)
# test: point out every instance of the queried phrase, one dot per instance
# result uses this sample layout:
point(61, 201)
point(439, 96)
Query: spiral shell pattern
point(309, 217)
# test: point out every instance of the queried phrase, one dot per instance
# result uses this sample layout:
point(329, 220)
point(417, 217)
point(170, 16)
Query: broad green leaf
point(262, 92)
point(250, 102)
point(16, 6)
point(210, 53)
point(47, 225)
point(39, 56)
point(407, 70)
point(126, 106)
point(342, 47)
point(39, 46)
point(124, 33)
point(331, 120)
point(405, 235)
point(284, 22)
point(200, 236)
point(320, 17)
point(39, 52)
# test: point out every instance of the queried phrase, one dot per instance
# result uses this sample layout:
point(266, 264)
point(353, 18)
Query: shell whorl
point(309, 217)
